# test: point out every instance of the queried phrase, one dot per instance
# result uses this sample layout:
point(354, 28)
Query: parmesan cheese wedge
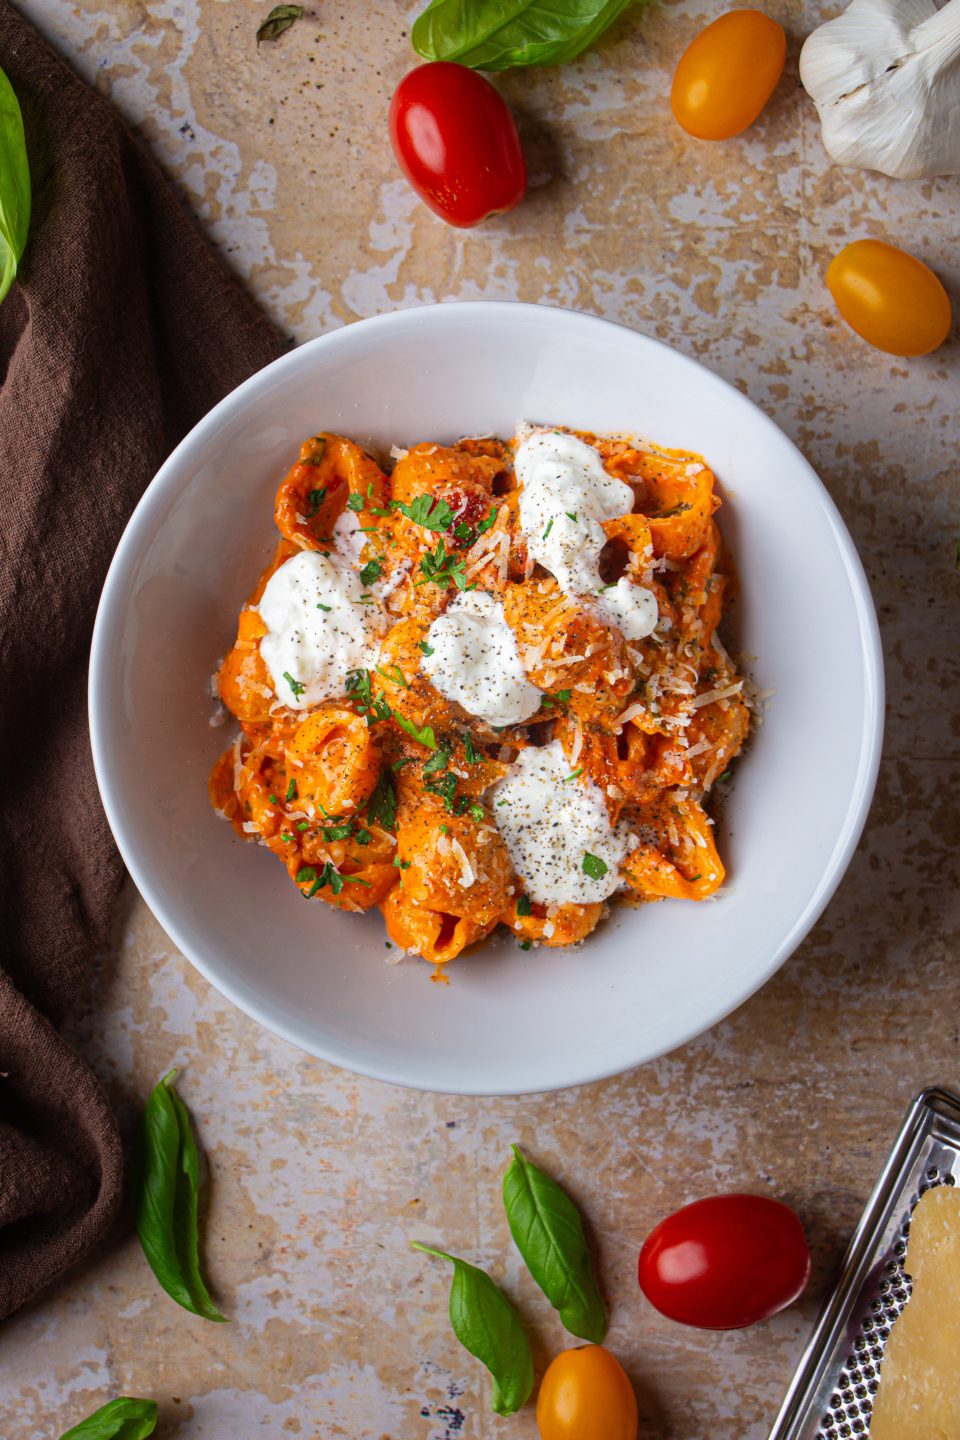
point(919, 1393)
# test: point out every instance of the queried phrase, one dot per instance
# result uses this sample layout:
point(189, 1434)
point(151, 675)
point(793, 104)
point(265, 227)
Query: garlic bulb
point(885, 78)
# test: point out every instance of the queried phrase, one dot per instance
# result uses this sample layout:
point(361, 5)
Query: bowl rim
point(148, 514)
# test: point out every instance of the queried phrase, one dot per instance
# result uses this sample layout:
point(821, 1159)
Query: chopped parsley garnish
point(549, 527)
point(303, 825)
point(326, 608)
point(446, 787)
point(526, 944)
point(422, 737)
point(669, 514)
point(285, 836)
point(337, 832)
point(694, 877)
point(444, 829)
point(380, 711)
point(523, 905)
point(427, 649)
point(291, 791)
point(358, 685)
point(394, 674)
point(274, 800)
point(295, 685)
point(363, 837)
point(571, 515)
point(559, 697)
point(355, 503)
point(370, 572)
point(382, 805)
point(470, 750)
point(429, 512)
point(594, 866)
point(563, 696)
point(316, 497)
point(725, 776)
point(485, 525)
point(462, 531)
point(573, 774)
point(439, 568)
point(476, 811)
point(402, 864)
point(437, 762)
point(305, 874)
point(399, 764)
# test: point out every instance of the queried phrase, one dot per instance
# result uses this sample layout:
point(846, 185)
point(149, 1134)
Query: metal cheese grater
point(831, 1394)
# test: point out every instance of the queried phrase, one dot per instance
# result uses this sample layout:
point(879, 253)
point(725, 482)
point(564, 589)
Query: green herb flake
point(325, 608)
point(363, 837)
point(274, 800)
point(470, 751)
point(295, 685)
point(526, 944)
point(477, 812)
point(549, 528)
point(573, 774)
point(382, 805)
point(438, 567)
point(281, 17)
point(292, 793)
point(371, 572)
point(487, 1325)
point(355, 503)
point(316, 498)
point(438, 762)
point(594, 866)
point(523, 905)
point(394, 674)
point(358, 685)
point(487, 524)
point(303, 825)
point(337, 832)
point(424, 736)
point(428, 512)
point(166, 1190)
point(427, 649)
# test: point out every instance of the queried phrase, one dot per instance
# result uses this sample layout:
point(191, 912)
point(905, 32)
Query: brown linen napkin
point(121, 332)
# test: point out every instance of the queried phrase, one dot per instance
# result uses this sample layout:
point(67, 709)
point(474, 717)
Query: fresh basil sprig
point(501, 34)
point(14, 186)
point(166, 1193)
point(548, 1231)
point(487, 1325)
point(122, 1419)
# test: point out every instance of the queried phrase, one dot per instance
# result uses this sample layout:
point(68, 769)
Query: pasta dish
point(486, 687)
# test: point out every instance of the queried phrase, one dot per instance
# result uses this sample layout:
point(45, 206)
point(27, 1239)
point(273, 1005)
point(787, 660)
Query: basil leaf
point(14, 186)
point(487, 1325)
point(121, 1419)
point(498, 34)
point(166, 1191)
point(281, 17)
point(548, 1232)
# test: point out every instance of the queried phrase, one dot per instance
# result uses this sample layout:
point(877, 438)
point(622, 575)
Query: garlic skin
point(885, 78)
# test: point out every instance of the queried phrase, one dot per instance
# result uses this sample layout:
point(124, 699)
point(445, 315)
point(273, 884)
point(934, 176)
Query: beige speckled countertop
point(319, 1178)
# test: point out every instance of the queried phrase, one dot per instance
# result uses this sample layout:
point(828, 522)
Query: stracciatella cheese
point(318, 628)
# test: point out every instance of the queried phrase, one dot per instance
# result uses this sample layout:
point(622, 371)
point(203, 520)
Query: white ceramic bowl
point(508, 1022)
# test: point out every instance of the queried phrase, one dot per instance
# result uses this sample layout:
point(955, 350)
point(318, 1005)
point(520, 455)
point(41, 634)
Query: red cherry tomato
point(457, 143)
point(725, 1262)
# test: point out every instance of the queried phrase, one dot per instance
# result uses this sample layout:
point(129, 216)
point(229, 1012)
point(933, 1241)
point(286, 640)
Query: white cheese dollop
point(476, 663)
point(317, 628)
point(566, 495)
point(550, 822)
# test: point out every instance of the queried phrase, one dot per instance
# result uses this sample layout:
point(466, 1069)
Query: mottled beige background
point(319, 1179)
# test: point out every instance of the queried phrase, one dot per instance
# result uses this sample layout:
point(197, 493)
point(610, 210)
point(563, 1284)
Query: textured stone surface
point(318, 1178)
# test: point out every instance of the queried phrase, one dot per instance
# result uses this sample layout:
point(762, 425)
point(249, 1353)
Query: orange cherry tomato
point(890, 298)
point(585, 1395)
point(727, 74)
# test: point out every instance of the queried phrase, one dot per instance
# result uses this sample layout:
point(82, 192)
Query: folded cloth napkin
point(121, 331)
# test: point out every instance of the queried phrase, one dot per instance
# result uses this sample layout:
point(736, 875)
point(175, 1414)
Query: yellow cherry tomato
point(727, 74)
point(585, 1395)
point(890, 298)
